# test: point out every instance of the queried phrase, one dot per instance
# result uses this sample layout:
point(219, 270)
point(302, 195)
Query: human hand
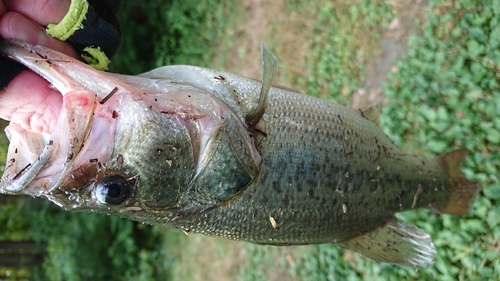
point(28, 99)
point(25, 20)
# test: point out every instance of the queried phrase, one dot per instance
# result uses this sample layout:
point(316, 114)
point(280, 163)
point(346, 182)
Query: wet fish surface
point(211, 152)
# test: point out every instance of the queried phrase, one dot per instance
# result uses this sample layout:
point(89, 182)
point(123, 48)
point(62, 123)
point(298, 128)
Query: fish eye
point(113, 190)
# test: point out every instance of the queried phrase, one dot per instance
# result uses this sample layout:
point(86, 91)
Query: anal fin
point(396, 241)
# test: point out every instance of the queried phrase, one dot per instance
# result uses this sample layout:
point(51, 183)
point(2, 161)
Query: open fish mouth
point(39, 159)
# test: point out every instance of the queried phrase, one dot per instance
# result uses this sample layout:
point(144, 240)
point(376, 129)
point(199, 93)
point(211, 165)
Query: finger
point(16, 26)
point(42, 12)
point(3, 10)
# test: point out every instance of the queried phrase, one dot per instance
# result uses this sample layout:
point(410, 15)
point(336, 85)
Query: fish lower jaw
point(27, 155)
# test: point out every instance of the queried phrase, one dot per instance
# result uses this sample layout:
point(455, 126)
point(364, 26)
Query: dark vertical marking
point(106, 98)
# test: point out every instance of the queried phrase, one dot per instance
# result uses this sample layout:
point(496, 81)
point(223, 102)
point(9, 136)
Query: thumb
point(42, 12)
point(16, 26)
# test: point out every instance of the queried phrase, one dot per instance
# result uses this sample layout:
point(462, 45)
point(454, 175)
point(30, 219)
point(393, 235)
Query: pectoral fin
point(396, 242)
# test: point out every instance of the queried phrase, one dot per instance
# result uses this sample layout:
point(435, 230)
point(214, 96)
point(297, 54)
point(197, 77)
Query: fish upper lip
point(22, 168)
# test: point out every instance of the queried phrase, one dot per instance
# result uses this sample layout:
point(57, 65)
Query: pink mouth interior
point(30, 102)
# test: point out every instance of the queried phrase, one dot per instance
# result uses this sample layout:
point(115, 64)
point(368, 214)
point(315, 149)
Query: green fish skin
point(210, 152)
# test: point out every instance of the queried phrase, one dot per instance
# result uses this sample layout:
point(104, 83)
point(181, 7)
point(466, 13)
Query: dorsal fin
point(269, 71)
point(372, 113)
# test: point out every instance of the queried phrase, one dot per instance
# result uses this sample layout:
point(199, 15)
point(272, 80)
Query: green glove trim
point(95, 58)
point(71, 22)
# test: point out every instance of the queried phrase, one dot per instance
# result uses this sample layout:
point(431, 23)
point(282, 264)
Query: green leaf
point(478, 34)
point(492, 192)
point(437, 146)
point(493, 219)
point(494, 41)
point(474, 48)
point(493, 136)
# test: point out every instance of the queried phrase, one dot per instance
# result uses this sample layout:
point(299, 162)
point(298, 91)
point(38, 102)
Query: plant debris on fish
point(210, 152)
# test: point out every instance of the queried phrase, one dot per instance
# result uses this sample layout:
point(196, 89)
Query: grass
point(445, 95)
point(158, 33)
point(339, 57)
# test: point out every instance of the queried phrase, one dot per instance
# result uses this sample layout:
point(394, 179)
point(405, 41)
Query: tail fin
point(462, 191)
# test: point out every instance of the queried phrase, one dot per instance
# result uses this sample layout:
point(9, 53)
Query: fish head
point(109, 150)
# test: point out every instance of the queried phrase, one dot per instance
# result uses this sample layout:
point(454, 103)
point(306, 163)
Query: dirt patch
point(252, 29)
point(393, 46)
point(209, 258)
point(271, 23)
point(287, 34)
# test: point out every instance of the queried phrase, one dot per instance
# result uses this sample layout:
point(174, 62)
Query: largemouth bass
point(211, 152)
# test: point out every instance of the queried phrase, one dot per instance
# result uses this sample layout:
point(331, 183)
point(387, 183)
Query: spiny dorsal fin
point(269, 71)
point(372, 113)
point(396, 241)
